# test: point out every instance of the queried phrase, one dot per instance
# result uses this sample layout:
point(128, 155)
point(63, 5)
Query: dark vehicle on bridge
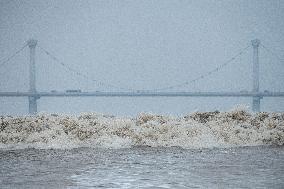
point(266, 91)
point(73, 91)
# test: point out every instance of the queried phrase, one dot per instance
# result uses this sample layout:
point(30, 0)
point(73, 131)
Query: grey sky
point(141, 45)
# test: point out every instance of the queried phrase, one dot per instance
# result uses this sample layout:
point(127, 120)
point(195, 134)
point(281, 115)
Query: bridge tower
point(32, 77)
point(256, 99)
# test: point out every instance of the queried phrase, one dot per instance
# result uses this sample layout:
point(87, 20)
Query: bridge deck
point(142, 94)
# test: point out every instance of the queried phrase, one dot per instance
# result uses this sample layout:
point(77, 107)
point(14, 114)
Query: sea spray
point(197, 130)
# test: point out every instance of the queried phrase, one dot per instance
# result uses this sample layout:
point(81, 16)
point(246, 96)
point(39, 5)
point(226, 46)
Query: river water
point(143, 167)
point(235, 149)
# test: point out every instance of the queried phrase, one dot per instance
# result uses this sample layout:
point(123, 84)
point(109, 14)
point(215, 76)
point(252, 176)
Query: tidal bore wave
point(197, 130)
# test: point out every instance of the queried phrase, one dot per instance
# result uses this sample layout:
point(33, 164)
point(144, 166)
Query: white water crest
point(197, 130)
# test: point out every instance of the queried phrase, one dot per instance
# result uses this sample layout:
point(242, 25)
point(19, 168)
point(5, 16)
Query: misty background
point(141, 45)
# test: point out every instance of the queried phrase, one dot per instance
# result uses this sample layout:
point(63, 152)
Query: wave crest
point(196, 130)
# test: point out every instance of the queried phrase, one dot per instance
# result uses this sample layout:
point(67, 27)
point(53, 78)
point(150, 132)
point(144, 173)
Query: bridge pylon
point(256, 99)
point(32, 77)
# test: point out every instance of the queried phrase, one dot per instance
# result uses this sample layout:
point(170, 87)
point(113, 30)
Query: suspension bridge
point(33, 95)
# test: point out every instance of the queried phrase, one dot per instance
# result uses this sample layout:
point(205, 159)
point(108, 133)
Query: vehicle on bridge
point(73, 91)
point(266, 91)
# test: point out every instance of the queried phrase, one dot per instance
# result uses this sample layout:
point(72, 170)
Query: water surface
point(143, 167)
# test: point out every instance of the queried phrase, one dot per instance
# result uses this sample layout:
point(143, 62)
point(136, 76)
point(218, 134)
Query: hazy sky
point(141, 45)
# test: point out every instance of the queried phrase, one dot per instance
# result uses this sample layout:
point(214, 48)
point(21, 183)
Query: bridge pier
point(32, 77)
point(256, 99)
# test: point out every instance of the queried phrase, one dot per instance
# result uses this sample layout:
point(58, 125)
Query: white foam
point(197, 130)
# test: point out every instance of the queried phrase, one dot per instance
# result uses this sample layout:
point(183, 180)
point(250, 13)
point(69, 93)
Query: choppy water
point(234, 149)
point(143, 167)
point(197, 130)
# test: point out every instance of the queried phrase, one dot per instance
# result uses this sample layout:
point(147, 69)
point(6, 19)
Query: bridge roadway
point(142, 94)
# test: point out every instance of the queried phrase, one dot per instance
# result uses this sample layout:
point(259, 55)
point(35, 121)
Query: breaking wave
point(196, 130)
